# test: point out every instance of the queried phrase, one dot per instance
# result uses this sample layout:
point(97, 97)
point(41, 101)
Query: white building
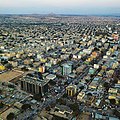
point(66, 69)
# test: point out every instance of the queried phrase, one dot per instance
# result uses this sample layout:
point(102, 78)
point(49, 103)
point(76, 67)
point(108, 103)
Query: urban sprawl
point(55, 67)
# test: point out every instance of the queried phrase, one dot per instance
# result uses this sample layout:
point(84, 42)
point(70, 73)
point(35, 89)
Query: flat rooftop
point(10, 75)
point(35, 80)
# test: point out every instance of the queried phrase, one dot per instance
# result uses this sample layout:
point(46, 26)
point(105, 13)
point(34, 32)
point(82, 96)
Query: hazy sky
point(60, 6)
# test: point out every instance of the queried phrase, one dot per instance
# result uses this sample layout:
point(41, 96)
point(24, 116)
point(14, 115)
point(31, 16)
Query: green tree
point(25, 106)
point(75, 108)
point(61, 101)
point(37, 97)
point(1, 105)
point(112, 101)
point(47, 108)
point(1, 91)
point(10, 116)
point(119, 102)
point(106, 85)
point(117, 113)
point(9, 66)
point(65, 95)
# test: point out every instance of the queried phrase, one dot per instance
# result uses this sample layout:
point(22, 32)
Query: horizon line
point(69, 14)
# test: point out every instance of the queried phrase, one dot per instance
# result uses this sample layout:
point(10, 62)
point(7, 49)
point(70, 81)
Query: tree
point(24, 68)
point(112, 101)
point(96, 49)
point(52, 105)
point(47, 108)
point(4, 62)
point(51, 82)
point(75, 108)
point(26, 106)
point(10, 116)
point(11, 59)
point(119, 102)
point(11, 86)
point(1, 51)
point(65, 95)
point(87, 81)
point(37, 97)
point(81, 87)
point(115, 80)
point(106, 85)
point(1, 105)
point(117, 113)
point(61, 101)
point(0, 91)
point(89, 94)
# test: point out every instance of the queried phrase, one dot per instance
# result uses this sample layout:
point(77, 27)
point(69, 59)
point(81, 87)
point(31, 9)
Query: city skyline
point(80, 7)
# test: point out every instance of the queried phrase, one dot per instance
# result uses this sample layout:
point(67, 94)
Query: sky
point(60, 7)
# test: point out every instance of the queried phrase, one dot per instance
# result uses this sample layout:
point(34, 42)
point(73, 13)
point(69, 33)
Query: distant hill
point(60, 15)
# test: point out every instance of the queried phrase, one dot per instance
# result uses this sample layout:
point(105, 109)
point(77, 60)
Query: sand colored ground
point(8, 76)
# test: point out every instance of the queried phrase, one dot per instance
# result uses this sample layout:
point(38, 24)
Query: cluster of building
point(51, 63)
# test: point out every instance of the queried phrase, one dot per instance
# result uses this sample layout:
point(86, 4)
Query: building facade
point(71, 90)
point(66, 69)
point(34, 85)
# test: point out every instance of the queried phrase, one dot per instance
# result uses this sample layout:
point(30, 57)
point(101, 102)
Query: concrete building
point(66, 69)
point(34, 85)
point(80, 96)
point(71, 90)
